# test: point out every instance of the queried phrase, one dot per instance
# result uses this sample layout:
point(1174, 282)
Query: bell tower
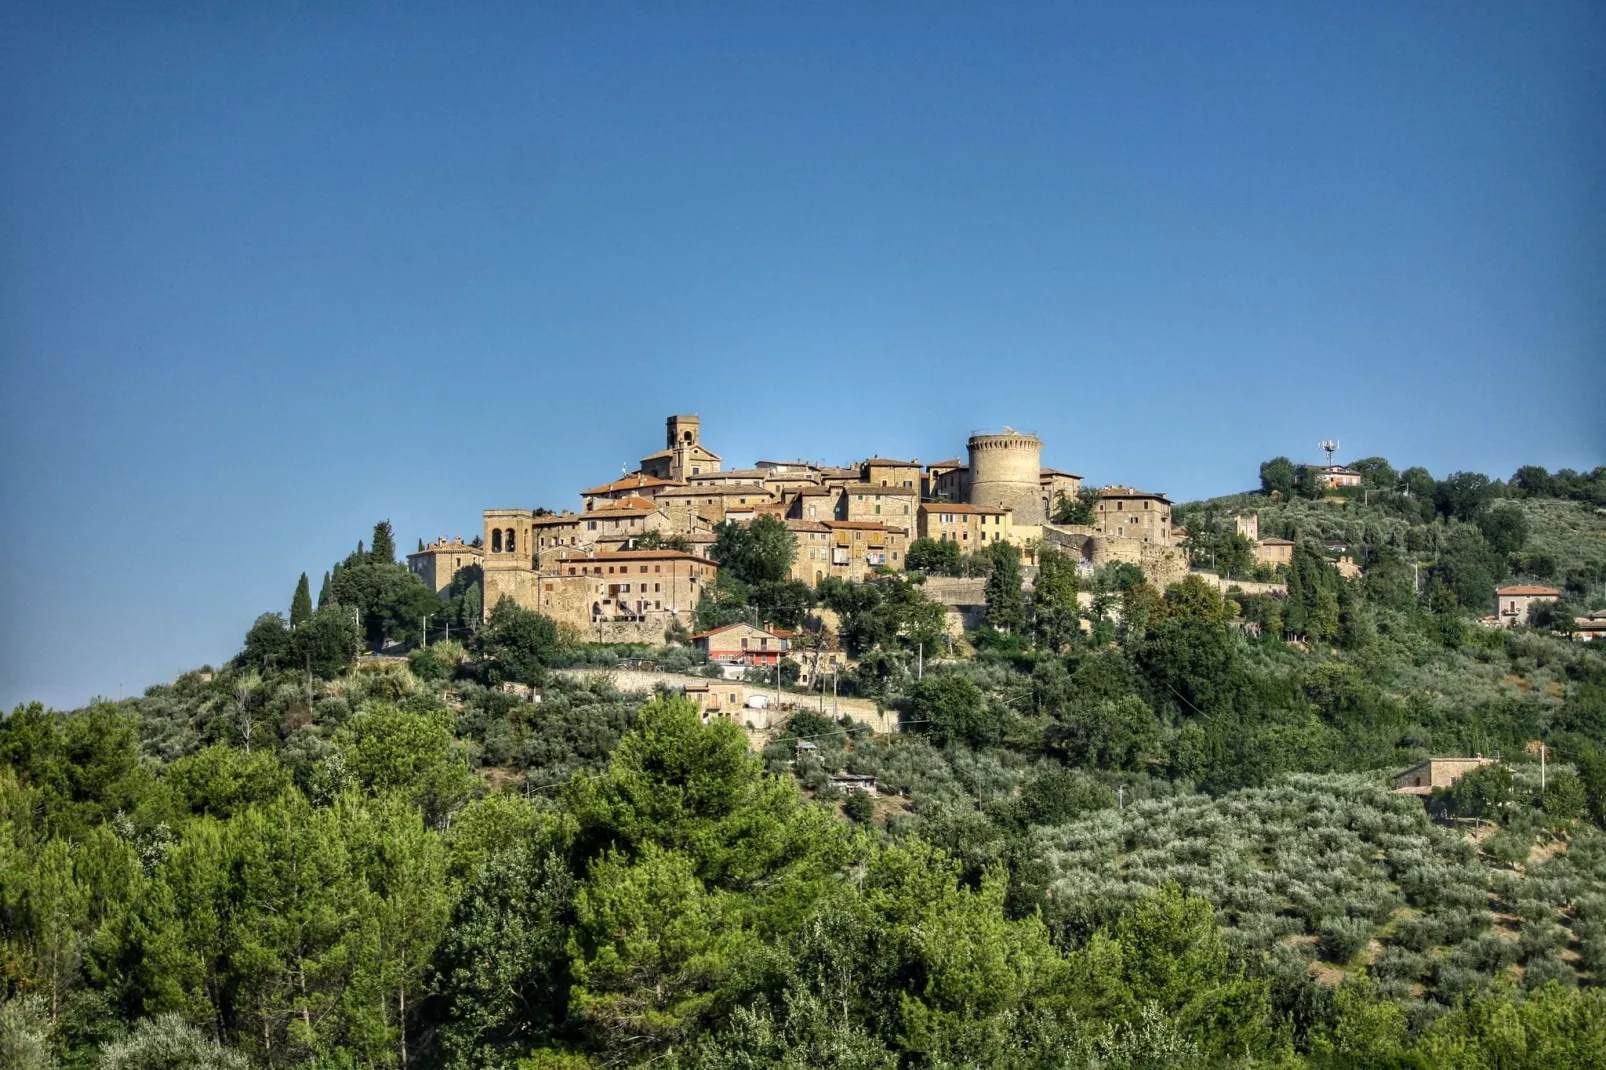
point(684, 431)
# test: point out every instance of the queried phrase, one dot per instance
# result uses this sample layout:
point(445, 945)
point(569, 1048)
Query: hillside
point(1135, 833)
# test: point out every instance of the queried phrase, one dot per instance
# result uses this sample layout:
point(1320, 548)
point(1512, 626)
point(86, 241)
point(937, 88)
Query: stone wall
point(765, 720)
point(1246, 586)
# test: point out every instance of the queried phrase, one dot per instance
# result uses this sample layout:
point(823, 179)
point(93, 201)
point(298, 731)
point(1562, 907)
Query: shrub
point(1341, 939)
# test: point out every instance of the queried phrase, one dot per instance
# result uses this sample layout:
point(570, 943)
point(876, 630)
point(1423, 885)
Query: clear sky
point(270, 272)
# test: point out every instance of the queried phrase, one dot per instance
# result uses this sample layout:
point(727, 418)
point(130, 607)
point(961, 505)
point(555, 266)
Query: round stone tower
point(1004, 472)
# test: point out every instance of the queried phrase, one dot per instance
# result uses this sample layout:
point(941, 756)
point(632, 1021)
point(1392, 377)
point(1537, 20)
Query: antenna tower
point(1328, 446)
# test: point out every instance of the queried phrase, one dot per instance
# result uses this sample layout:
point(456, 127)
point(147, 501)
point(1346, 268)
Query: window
point(657, 587)
point(508, 540)
point(591, 525)
point(644, 568)
point(496, 540)
point(696, 471)
point(657, 568)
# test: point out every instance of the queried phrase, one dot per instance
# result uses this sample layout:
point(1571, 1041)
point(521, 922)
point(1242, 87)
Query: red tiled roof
point(955, 507)
point(1528, 589)
point(632, 482)
point(631, 504)
point(860, 525)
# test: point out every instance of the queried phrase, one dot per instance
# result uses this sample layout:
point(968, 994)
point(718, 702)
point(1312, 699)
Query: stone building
point(1511, 604)
point(973, 527)
point(1128, 513)
point(684, 454)
point(1248, 526)
point(1274, 552)
point(891, 505)
point(1052, 483)
point(846, 549)
point(689, 508)
point(932, 481)
point(1423, 777)
point(438, 562)
point(812, 503)
point(741, 644)
point(612, 596)
point(1331, 475)
point(885, 472)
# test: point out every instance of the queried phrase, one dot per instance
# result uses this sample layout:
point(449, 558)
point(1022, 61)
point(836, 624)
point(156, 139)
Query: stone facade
point(1274, 552)
point(851, 550)
point(1511, 603)
point(1128, 513)
point(622, 595)
point(891, 505)
point(1423, 777)
point(438, 562)
point(973, 527)
point(741, 644)
point(1005, 471)
point(884, 472)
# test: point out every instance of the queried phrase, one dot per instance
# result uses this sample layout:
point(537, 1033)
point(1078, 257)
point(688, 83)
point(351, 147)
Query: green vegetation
point(1126, 829)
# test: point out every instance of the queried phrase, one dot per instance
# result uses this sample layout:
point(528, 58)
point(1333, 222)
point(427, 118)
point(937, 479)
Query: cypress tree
point(384, 551)
point(324, 594)
point(1004, 608)
point(301, 604)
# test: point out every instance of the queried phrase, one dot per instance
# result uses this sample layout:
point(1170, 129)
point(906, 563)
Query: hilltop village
point(633, 560)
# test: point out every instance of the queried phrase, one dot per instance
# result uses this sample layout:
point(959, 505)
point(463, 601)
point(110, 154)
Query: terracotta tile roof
point(637, 481)
point(715, 489)
point(955, 507)
point(1132, 492)
point(888, 462)
point(860, 525)
point(631, 504)
point(1528, 589)
point(872, 488)
point(805, 525)
point(1043, 472)
point(606, 556)
point(952, 462)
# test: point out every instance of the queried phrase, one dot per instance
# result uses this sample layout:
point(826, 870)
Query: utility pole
point(426, 630)
point(1120, 797)
point(834, 713)
point(1541, 768)
point(920, 661)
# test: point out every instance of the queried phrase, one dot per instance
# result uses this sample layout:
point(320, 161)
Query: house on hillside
point(1511, 604)
point(741, 644)
point(1423, 777)
point(1274, 552)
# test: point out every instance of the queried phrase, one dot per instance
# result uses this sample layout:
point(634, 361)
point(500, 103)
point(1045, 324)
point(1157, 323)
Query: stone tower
point(1004, 472)
point(683, 431)
point(683, 435)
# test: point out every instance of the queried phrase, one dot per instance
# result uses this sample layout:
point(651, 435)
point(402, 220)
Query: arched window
point(508, 541)
point(496, 540)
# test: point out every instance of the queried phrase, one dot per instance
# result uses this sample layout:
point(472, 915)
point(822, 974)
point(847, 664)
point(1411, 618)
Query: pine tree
point(324, 594)
point(384, 551)
point(301, 603)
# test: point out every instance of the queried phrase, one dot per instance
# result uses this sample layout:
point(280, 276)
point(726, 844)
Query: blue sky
point(271, 272)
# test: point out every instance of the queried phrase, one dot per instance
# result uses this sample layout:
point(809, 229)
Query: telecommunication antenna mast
point(1328, 446)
